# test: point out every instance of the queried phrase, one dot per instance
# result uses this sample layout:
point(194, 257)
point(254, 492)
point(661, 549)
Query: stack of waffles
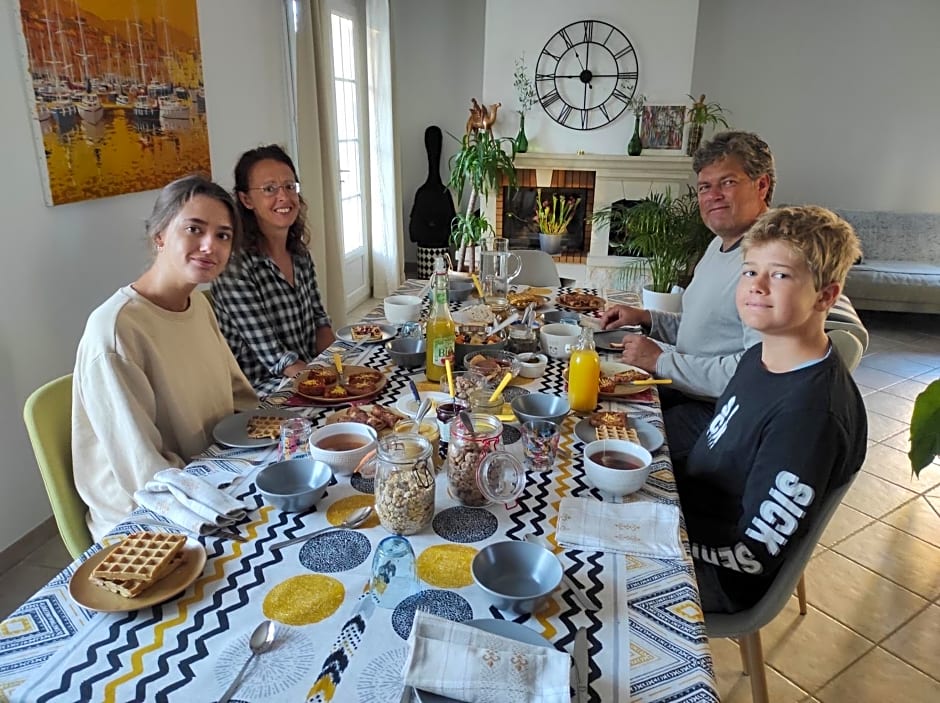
point(138, 562)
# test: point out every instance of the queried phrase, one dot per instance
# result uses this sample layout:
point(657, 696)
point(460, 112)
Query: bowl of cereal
point(465, 382)
point(473, 339)
point(492, 364)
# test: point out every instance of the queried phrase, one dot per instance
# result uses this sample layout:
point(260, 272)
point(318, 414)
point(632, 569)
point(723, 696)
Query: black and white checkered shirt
point(269, 325)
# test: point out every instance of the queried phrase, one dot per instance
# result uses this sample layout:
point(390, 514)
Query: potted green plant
point(702, 114)
point(668, 235)
point(925, 428)
point(481, 163)
point(553, 217)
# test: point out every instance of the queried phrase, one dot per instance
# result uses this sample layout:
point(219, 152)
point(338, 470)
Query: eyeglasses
point(271, 189)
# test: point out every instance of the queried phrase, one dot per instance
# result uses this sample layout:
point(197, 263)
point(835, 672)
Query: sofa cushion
point(911, 282)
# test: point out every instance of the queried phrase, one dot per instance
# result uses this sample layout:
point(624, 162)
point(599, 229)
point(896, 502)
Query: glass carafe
point(404, 483)
point(498, 267)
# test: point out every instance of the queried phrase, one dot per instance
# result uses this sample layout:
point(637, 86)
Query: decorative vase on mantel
point(695, 138)
point(522, 142)
point(550, 243)
point(635, 147)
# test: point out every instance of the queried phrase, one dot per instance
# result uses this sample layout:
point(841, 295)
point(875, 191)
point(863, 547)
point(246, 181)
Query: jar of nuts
point(476, 469)
point(404, 483)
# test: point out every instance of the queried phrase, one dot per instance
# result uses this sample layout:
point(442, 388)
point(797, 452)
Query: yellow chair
point(48, 416)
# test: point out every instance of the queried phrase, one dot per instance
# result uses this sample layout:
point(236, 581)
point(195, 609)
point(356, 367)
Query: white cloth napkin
point(467, 664)
point(641, 528)
point(193, 502)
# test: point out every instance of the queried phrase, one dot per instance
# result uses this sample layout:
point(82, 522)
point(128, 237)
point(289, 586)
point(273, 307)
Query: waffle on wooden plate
point(143, 569)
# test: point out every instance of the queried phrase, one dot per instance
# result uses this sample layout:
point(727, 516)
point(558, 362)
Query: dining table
point(646, 633)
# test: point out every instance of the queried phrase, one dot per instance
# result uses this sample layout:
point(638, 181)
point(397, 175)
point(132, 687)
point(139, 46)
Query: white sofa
point(900, 267)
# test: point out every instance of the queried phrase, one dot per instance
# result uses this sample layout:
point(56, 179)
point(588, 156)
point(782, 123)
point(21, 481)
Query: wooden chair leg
point(742, 645)
point(755, 665)
point(801, 594)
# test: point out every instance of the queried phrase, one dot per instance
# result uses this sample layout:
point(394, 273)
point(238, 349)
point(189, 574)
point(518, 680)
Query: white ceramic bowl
point(618, 482)
point(402, 308)
point(532, 365)
point(558, 339)
point(342, 461)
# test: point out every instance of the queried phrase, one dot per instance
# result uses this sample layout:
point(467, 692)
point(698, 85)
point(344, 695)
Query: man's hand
point(623, 315)
point(640, 351)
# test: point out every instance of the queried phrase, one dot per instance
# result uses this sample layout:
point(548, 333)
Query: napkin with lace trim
point(466, 664)
point(641, 528)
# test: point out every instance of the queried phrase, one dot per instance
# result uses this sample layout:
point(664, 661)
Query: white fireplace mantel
point(616, 177)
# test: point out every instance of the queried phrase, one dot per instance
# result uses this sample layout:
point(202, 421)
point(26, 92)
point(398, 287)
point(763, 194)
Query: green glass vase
point(522, 142)
point(635, 147)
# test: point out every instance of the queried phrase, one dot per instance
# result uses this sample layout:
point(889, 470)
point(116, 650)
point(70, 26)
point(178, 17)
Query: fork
point(252, 462)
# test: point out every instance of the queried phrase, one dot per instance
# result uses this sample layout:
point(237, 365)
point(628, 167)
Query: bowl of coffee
point(617, 466)
point(342, 445)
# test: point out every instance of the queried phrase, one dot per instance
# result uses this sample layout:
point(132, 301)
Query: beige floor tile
point(52, 554)
point(906, 389)
point(874, 496)
point(879, 677)
point(881, 427)
point(844, 522)
point(900, 441)
point(858, 597)
point(891, 405)
point(735, 687)
point(810, 649)
point(918, 642)
point(20, 583)
point(893, 465)
point(900, 362)
point(896, 555)
point(918, 518)
point(874, 378)
point(866, 390)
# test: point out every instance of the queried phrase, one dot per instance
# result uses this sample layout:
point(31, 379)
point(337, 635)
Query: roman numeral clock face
point(586, 74)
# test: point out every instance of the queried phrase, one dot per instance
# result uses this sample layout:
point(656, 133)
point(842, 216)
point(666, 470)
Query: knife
point(581, 664)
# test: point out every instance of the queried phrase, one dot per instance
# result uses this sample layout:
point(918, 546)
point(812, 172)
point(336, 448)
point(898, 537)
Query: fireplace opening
point(519, 223)
point(619, 239)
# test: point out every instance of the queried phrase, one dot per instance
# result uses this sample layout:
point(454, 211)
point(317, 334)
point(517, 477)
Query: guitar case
point(433, 209)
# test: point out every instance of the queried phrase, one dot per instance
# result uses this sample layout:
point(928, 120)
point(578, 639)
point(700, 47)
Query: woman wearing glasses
point(267, 301)
point(153, 375)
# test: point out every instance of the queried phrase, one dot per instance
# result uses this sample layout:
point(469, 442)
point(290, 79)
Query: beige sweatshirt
point(148, 388)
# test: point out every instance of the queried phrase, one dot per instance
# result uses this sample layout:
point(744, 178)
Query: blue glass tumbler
point(394, 574)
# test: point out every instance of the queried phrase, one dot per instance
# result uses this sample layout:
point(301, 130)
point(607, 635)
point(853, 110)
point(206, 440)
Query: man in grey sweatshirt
point(736, 178)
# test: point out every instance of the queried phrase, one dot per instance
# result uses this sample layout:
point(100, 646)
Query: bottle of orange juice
point(440, 329)
point(584, 374)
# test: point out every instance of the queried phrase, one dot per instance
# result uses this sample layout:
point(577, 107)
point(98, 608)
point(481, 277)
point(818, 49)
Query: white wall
point(62, 262)
point(844, 91)
point(437, 66)
point(661, 31)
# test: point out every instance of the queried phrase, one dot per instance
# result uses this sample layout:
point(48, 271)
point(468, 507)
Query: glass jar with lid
point(404, 483)
point(430, 430)
point(522, 339)
point(478, 471)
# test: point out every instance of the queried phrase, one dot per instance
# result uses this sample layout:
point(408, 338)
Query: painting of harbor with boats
point(118, 99)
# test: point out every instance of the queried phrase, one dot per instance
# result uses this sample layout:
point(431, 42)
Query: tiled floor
point(872, 633)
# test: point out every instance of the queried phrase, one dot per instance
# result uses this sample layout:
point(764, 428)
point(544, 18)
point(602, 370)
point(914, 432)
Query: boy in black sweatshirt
point(790, 427)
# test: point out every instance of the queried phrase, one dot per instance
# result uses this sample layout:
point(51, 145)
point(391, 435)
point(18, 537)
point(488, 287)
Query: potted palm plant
point(481, 163)
point(702, 114)
point(668, 235)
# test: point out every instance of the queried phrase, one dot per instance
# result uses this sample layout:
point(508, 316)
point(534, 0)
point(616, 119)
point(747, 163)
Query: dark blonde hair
point(827, 243)
point(174, 196)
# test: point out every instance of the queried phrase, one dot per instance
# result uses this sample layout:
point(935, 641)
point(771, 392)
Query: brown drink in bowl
point(616, 460)
point(341, 442)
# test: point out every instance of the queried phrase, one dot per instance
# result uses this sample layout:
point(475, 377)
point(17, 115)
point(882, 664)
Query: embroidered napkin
point(193, 502)
point(467, 664)
point(641, 528)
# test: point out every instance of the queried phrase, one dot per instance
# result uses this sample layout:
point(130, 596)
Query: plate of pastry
point(616, 380)
point(379, 417)
point(580, 302)
point(323, 384)
point(143, 569)
point(367, 332)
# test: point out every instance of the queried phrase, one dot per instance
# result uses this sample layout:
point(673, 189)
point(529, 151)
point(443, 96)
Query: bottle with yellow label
point(441, 331)
point(584, 374)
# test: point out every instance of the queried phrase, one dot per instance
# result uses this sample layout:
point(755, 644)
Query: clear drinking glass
point(540, 444)
point(480, 402)
point(394, 574)
point(295, 436)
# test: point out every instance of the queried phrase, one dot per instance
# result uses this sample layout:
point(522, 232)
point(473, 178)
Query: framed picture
point(662, 128)
point(116, 94)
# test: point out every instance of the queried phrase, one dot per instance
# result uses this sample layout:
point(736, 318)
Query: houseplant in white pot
point(670, 237)
point(481, 163)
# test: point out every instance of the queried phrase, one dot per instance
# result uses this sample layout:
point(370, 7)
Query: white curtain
point(317, 159)
point(386, 220)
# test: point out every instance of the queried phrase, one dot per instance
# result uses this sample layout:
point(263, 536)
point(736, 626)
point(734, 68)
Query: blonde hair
point(826, 243)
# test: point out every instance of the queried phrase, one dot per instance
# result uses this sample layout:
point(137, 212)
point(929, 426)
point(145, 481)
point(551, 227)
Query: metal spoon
point(468, 423)
point(422, 411)
point(261, 640)
point(354, 520)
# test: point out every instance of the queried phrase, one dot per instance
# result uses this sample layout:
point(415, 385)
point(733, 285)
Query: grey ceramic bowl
point(459, 291)
point(553, 316)
point(516, 575)
point(462, 351)
point(407, 352)
point(540, 406)
point(295, 484)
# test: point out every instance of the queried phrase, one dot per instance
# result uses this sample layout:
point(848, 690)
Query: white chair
point(842, 316)
point(538, 269)
point(847, 346)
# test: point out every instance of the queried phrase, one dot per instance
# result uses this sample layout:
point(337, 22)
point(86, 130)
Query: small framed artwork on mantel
point(662, 128)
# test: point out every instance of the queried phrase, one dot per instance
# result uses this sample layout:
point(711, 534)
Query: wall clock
point(586, 74)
